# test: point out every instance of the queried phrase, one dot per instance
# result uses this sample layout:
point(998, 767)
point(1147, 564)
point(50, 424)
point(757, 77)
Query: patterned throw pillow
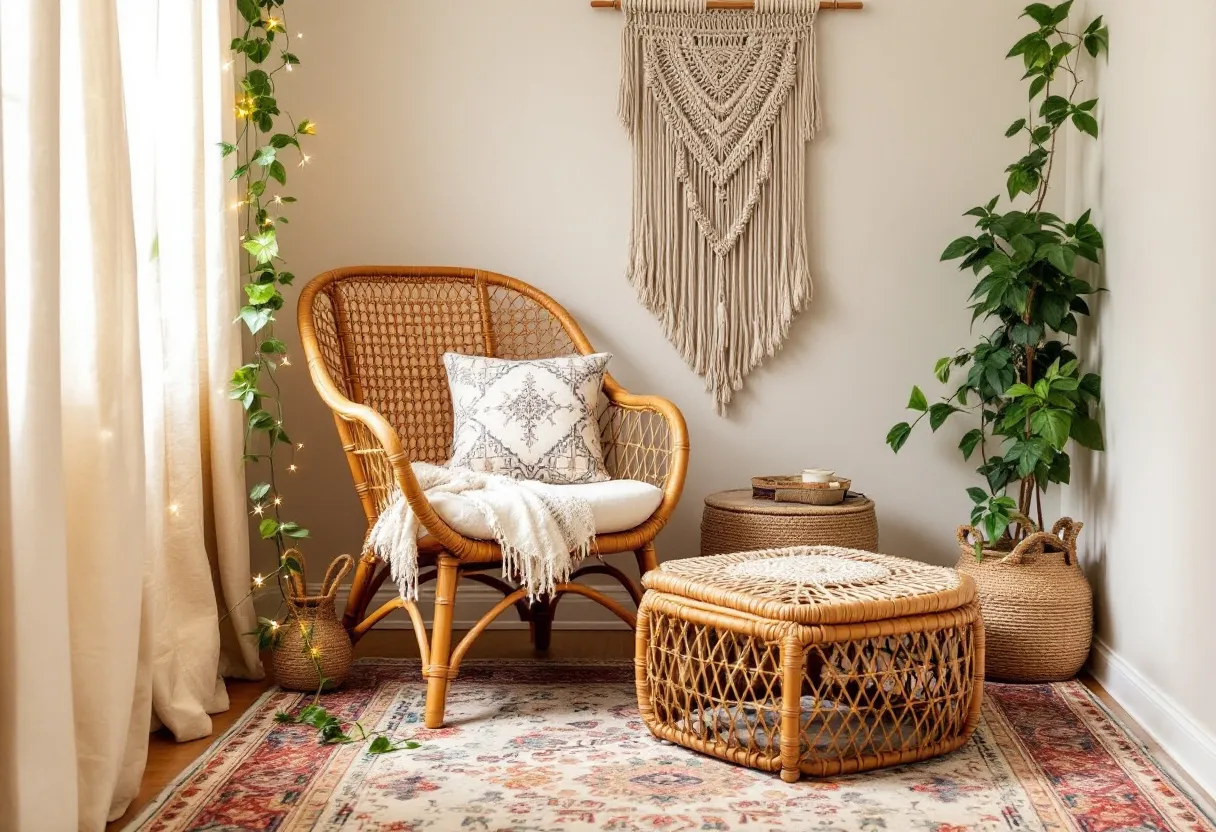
point(532, 420)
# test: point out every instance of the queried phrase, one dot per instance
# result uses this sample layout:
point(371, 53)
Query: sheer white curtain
point(122, 525)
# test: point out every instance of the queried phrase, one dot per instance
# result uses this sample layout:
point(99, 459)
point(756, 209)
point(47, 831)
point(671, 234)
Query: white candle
point(817, 475)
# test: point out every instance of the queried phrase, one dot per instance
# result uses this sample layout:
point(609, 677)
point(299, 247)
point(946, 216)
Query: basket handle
point(967, 535)
point(1063, 535)
point(296, 582)
point(329, 586)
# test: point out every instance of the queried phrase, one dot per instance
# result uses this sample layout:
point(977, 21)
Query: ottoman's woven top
point(814, 584)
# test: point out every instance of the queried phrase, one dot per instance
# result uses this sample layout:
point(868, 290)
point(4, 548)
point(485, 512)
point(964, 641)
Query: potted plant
point(1023, 382)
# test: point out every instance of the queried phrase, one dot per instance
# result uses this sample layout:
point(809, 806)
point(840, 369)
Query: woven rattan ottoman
point(810, 660)
point(734, 521)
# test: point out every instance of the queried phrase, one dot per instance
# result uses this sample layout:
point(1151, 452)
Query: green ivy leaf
point(942, 369)
point(277, 172)
point(1088, 433)
point(939, 413)
point(272, 346)
point(917, 400)
point(1085, 123)
point(1015, 128)
point(259, 491)
point(265, 156)
point(268, 528)
point(958, 248)
point(255, 318)
point(380, 745)
point(249, 10)
point(260, 293)
point(1053, 424)
point(977, 495)
point(226, 148)
point(970, 440)
point(264, 247)
point(898, 435)
point(293, 530)
point(292, 564)
point(1041, 13)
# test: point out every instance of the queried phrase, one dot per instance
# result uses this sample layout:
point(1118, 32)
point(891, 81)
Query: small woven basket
point(314, 615)
point(1037, 605)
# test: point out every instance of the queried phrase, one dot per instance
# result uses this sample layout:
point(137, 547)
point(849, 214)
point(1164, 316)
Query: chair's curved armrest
point(390, 443)
point(649, 438)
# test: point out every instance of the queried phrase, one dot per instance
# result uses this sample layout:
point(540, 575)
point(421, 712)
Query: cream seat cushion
point(617, 505)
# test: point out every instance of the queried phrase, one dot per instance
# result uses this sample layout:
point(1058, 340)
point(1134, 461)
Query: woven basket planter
point(734, 521)
point(295, 666)
point(1037, 605)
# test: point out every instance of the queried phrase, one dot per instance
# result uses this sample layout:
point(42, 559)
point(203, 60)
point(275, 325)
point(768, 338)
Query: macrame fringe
point(717, 242)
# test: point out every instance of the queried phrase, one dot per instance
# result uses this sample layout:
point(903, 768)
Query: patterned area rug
point(543, 746)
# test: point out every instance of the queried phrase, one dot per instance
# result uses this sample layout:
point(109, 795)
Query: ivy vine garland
point(263, 51)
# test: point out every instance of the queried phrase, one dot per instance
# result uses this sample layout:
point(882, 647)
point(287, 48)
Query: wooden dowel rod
point(824, 5)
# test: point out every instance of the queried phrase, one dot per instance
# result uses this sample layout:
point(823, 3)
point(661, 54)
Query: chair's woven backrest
point(383, 331)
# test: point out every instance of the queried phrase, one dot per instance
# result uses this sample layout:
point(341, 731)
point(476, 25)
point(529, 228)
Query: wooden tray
point(789, 489)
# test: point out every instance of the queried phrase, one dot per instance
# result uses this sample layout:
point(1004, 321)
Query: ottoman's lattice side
point(818, 700)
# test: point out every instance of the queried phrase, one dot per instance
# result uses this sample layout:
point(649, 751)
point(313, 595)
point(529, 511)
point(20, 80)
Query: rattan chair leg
point(647, 558)
point(793, 661)
point(438, 672)
point(360, 591)
point(541, 623)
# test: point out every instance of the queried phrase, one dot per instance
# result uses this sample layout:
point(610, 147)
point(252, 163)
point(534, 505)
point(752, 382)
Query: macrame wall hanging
point(720, 106)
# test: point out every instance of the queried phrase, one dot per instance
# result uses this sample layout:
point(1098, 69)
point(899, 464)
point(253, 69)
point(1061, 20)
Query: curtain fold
point(122, 513)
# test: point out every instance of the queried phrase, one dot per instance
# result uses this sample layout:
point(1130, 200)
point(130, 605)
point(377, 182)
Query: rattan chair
point(375, 337)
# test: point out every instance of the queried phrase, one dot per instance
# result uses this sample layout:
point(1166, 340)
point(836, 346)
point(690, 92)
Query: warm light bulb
point(278, 501)
point(273, 23)
point(291, 469)
point(274, 625)
point(258, 580)
point(304, 160)
point(278, 200)
point(285, 362)
point(289, 67)
point(299, 446)
point(299, 34)
point(316, 651)
point(174, 508)
point(258, 509)
point(227, 66)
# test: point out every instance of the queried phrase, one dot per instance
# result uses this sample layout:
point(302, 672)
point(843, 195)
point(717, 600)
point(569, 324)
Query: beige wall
point(1148, 500)
point(484, 133)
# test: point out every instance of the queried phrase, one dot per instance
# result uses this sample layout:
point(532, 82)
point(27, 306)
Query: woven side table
point(734, 521)
point(810, 660)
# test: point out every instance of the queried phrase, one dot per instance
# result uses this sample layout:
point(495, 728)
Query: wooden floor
point(167, 758)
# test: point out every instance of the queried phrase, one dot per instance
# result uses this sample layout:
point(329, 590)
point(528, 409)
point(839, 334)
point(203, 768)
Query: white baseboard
point(1191, 746)
point(473, 601)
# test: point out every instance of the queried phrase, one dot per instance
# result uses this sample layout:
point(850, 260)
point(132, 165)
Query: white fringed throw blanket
point(543, 533)
point(719, 106)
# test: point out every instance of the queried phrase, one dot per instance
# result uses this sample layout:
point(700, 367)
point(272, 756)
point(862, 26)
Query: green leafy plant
point(1022, 381)
point(266, 138)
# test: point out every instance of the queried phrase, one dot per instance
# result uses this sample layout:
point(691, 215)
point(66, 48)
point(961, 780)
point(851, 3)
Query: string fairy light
point(174, 508)
point(291, 469)
point(304, 159)
point(285, 361)
point(299, 446)
point(278, 501)
point(258, 581)
point(259, 509)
